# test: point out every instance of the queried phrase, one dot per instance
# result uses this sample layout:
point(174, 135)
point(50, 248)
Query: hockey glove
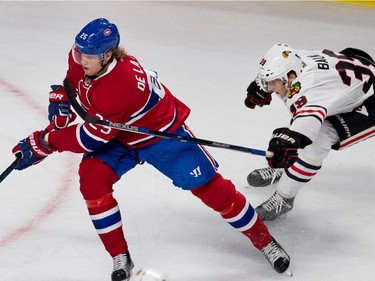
point(256, 96)
point(284, 145)
point(33, 149)
point(59, 107)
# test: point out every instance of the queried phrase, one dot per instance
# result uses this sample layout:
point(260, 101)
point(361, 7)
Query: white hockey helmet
point(277, 62)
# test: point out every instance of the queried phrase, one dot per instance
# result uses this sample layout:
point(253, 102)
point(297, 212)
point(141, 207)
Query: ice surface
point(206, 53)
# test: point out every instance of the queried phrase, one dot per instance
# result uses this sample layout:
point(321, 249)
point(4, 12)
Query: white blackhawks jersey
point(330, 84)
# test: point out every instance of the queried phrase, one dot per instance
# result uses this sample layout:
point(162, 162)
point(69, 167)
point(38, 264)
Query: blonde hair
point(119, 53)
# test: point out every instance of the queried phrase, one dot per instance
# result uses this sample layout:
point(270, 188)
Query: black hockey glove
point(256, 96)
point(284, 145)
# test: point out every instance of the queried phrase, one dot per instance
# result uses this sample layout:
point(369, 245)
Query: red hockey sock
point(97, 179)
point(258, 234)
point(220, 194)
point(106, 218)
point(241, 213)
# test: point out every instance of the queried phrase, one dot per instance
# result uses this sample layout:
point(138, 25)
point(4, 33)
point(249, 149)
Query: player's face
point(280, 87)
point(91, 64)
point(277, 86)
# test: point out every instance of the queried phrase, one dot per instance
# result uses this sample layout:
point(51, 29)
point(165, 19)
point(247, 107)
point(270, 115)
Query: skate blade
point(289, 272)
point(281, 218)
point(275, 221)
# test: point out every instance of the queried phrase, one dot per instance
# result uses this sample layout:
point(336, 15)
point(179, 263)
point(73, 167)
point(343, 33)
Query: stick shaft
point(11, 167)
point(124, 127)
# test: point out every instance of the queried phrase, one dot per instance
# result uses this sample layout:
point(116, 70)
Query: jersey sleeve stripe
point(318, 112)
point(311, 115)
point(87, 140)
point(151, 102)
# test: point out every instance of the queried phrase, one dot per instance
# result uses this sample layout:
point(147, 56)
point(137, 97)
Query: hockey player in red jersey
point(112, 85)
point(330, 96)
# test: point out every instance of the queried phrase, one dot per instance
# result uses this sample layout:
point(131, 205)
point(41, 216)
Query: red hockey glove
point(284, 145)
point(59, 107)
point(33, 149)
point(256, 96)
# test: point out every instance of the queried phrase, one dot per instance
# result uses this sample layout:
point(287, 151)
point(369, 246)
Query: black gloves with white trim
point(284, 145)
point(256, 96)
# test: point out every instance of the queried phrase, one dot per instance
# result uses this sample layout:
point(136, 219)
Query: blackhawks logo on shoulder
point(294, 89)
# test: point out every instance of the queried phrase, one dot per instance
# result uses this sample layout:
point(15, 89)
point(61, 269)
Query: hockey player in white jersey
point(330, 96)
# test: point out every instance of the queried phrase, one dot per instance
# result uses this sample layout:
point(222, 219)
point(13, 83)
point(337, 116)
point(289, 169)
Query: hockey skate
point(122, 267)
point(277, 257)
point(264, 177)
point(274, 207)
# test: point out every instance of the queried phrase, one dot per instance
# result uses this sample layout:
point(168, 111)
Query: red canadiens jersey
point(126, 93)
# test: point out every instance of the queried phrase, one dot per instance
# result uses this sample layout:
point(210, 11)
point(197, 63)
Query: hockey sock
point(242, 216)
point(258, 234)
point(220, 194)
point(106, 218)
point(296, 176)
point(217, 194)
point(96, 179)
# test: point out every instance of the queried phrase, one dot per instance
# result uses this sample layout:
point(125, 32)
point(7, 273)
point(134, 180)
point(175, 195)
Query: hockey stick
point(11, 167)
point(124, 127)
point(14, 164)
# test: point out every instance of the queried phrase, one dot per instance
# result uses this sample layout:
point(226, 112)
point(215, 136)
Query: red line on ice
point(54, 203)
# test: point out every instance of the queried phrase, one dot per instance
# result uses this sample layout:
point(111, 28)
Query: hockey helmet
point(277, 62)
point(97, 38)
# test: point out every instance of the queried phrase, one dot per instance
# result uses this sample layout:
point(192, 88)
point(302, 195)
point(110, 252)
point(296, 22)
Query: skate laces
point(272, 252)
point(275, 202)
point(270, 173)
point(120, 261)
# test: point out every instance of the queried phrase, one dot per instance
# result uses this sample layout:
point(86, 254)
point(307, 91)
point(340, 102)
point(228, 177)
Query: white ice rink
point(206, 53)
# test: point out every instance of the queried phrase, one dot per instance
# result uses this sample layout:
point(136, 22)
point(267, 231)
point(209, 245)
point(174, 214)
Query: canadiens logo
point(294, 89)
point(107, 32)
